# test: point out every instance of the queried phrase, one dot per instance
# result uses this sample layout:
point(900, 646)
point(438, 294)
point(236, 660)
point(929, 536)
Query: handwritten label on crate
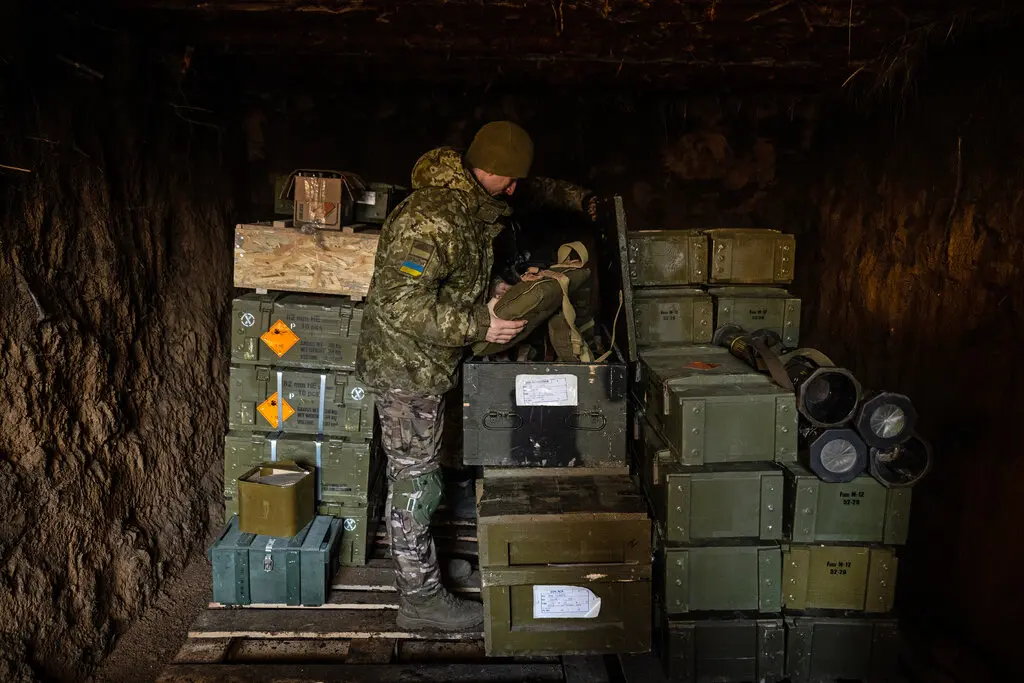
point(565, 602)
point(547, 390)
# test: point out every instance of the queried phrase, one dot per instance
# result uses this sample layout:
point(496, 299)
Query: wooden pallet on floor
point(354, 637)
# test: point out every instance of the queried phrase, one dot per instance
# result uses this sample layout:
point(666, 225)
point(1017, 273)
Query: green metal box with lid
point(331, 402)
point(829, 649)
point(344, 468)
point(565, 564)
point(250, 569)
point(358, 524)
point(722, 650)
point(726, 577)
point(861, 510)
point(711, 407)
point(700, 504)
point(756, 308)
point(295, 330)
point(671, 316)
point(660, 258)
point(750, 256)
point(544, 414)
point(839, 577)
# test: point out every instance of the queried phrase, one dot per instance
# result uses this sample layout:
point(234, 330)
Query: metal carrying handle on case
point(572, 420)
point(513, 420)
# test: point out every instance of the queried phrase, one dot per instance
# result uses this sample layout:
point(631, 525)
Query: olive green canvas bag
point(560, 295)
point(539, 297)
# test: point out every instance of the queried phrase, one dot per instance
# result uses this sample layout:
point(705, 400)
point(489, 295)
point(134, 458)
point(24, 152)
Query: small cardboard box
point(276, 499)
point(323, 202)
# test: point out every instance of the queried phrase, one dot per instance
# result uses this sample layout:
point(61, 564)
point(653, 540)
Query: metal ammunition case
point(544, 414)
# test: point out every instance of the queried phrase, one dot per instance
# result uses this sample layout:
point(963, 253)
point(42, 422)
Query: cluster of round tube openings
point(843, 431)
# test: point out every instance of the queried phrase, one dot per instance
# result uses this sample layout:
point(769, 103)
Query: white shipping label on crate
point(565, 602)
point(369, 197)
point(547, 390)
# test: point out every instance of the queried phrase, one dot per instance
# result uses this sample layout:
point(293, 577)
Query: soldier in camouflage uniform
point(432, 297)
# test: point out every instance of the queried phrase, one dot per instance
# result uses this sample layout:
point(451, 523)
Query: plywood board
point(289, 260)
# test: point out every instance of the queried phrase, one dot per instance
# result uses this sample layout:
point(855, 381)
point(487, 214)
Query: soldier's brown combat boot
point(442, 611)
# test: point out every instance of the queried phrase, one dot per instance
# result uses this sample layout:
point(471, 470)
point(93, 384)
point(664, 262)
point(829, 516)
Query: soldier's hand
point(502, 331)
point(591, 205)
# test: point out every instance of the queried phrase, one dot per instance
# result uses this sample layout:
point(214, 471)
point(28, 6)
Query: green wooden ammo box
point(344, 468)
point(722, 650)
point(756, 308)
point(695, 504)
point(825, 650)
point(672, 315)
point(729, 577)
point(295, 330)
point(861, 510)
point(565, 564)
point(839, 577)
point(332, 402)
point(659, 258)
point(750, 256)
point(250, 569)
point(711, 407)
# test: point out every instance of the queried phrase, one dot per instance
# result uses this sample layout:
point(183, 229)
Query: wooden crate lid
point(561, 495)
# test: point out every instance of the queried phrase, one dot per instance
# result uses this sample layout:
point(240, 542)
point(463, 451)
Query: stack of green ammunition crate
point(294, 397)
point(763, 570)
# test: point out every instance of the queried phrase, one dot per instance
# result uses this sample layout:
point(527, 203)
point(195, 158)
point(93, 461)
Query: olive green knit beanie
point(502, 148)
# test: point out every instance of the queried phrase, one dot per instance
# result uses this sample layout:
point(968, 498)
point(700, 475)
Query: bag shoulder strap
point(565, 251)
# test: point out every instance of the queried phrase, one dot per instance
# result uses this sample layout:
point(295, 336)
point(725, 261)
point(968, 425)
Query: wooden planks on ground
point(364, 673)
point(286, 259)
point(312, 623)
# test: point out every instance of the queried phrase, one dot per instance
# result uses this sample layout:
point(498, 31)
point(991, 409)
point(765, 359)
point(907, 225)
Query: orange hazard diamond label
point(268, 409)
point(280, 338)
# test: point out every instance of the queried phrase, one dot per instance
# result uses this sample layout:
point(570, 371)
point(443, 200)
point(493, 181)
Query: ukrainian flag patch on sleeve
point(416, 260)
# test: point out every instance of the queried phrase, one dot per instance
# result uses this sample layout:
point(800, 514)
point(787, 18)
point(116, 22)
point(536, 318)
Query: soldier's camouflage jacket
point(427, 299)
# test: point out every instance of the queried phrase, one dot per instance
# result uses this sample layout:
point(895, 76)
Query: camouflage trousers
point(411, 427)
